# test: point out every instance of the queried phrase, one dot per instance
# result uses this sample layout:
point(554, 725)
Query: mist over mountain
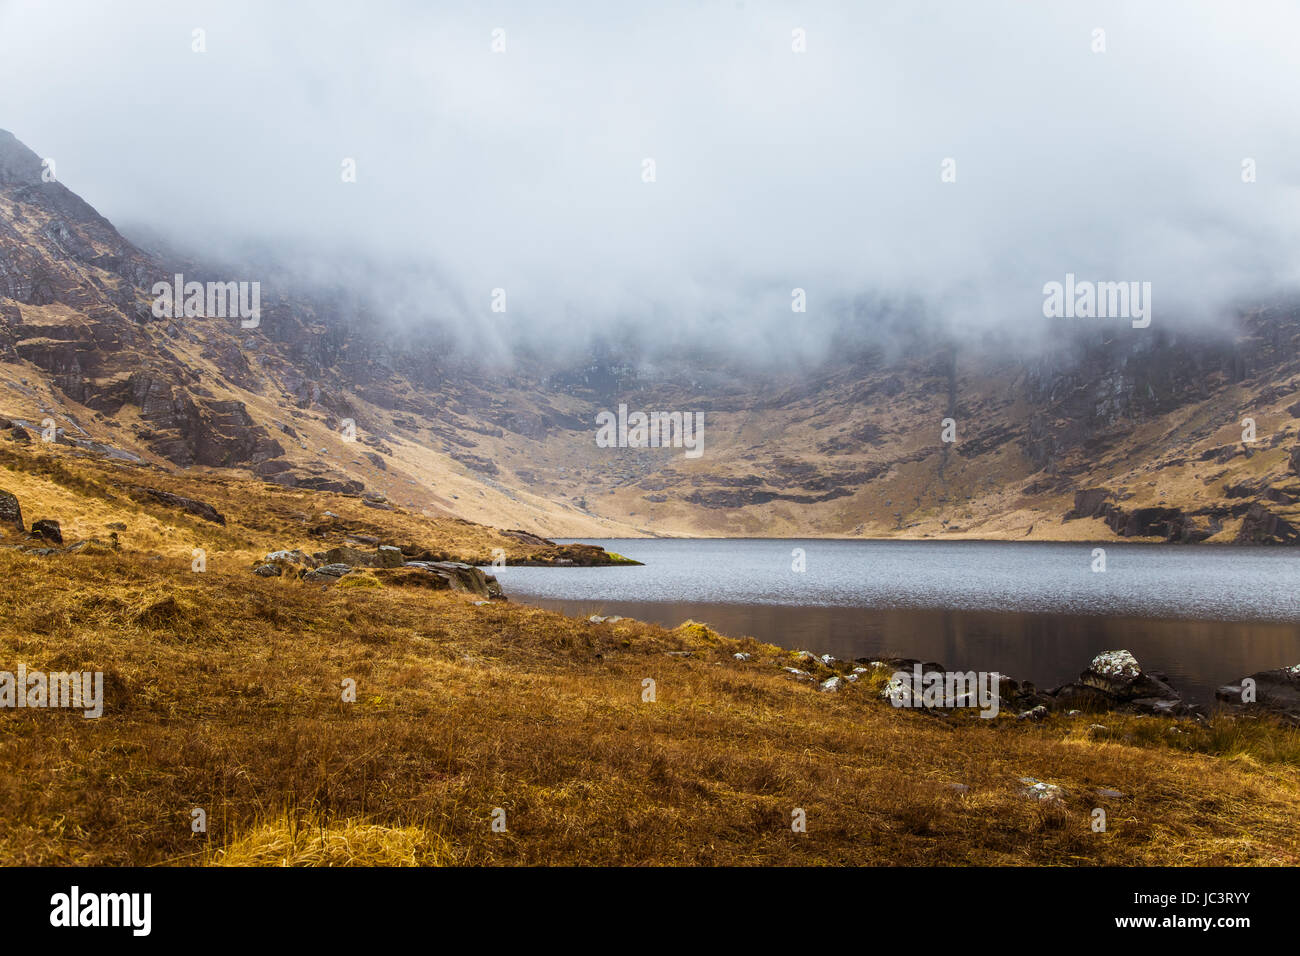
point(523, 169)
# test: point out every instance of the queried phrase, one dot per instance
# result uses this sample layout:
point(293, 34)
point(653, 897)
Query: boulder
point(389, 557)
point(268, 570)
point(1115, 680)
point(48, 529)
point(349, 556)
point(461, 577)
point(1118, 674)
point(413, 578)
point(197, 508)
point(326, 574)
point(11, 513)
point(289, 558)
point(1276, 690)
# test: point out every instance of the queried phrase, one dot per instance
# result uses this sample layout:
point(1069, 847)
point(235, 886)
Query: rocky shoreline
point(1113, 681)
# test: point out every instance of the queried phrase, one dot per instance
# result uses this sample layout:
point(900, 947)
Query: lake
point(1036, 611)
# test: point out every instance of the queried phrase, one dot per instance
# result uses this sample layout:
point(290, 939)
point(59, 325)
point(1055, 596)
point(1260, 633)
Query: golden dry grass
point(224, 693)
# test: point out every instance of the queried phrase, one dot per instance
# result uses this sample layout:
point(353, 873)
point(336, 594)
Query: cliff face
point(1115, 433)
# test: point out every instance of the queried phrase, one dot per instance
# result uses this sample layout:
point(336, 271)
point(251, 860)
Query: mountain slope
point(1115, 432)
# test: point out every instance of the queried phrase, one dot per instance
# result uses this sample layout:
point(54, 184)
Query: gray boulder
point(1276, 690)
point(10, 512)
point(461, 577)
point(326, 574)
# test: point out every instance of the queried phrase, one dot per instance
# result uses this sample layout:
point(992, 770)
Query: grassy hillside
point(224, 693)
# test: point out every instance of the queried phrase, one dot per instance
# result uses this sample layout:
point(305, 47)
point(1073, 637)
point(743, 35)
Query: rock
point(389, 557)
point(1034, 713)
point(1117, 665)
point(1111, 794)
point(741, 656)
point(831, 684)
point(959, 788)
point(1038, 790)
point(1160, 707)
point(897, 692)
point(268, 570)
point(291, 558)
point(48, 529)
point(11, 513)
point(1089, 503)
point(326, 574)
point(351, 557)
point(413, 577)
point(460, 577)
point(1115, 679)
point(1275, 690)
point(1261, 526)
point(198, 508)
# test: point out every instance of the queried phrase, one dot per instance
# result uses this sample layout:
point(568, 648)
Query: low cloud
point(774, 170)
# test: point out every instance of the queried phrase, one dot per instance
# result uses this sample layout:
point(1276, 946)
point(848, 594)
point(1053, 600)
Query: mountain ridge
point(1113, 433)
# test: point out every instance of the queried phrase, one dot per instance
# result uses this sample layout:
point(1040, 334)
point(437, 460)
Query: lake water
point(1034, 611)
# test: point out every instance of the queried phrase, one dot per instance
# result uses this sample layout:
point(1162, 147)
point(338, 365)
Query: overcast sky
point(774, 169)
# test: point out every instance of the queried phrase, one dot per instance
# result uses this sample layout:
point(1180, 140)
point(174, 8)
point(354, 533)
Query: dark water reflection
point(1203, 616)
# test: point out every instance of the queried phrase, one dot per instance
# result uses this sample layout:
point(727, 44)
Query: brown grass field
point(224, 693)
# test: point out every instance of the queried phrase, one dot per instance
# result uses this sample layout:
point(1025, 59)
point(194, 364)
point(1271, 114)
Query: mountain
point(1111, 432)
